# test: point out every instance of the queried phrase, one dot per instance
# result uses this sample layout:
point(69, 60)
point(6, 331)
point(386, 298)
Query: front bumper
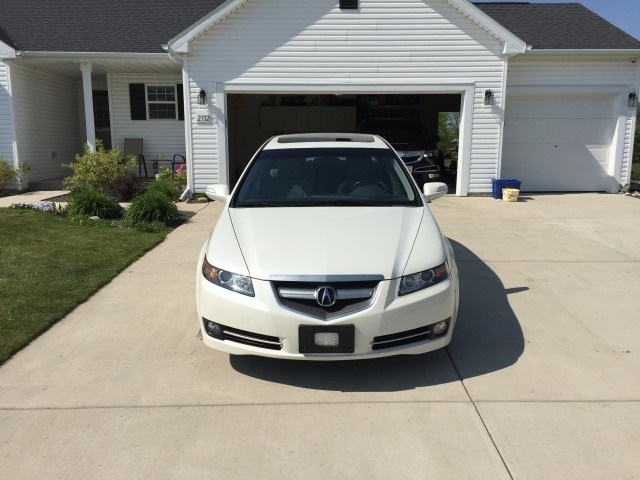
point(388, 325)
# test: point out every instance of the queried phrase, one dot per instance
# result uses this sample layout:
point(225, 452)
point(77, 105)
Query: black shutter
point(180, 101)
point(137, 101)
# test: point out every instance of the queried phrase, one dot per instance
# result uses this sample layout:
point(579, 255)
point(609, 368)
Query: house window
point(156, 101)
point(162, 101)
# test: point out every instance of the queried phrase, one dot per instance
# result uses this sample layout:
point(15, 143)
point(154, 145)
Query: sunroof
point(326, 137)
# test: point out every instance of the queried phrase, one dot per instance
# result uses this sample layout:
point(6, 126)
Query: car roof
point(326, 140)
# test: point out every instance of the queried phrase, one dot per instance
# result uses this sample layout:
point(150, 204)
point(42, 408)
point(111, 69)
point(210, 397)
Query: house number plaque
point(203, 116)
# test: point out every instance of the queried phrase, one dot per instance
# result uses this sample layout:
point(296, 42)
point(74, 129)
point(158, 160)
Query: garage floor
point(542, 379)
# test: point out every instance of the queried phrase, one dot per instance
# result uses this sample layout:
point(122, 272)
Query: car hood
point(323, 241)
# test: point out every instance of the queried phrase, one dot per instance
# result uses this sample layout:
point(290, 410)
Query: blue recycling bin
point(498, 185)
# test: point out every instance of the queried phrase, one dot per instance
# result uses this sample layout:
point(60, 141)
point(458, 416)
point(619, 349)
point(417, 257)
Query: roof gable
point(6, 51)
point(512, 44)
point(559, 26)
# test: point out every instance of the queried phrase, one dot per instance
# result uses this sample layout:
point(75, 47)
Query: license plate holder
point(308, 340)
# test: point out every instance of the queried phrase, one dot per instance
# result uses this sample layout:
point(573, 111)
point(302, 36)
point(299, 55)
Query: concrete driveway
point(542, 380)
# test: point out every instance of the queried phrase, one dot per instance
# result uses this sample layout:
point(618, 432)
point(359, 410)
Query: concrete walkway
point(542, 380)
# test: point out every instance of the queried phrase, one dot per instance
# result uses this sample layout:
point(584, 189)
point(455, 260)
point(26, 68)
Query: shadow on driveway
point(487, 338)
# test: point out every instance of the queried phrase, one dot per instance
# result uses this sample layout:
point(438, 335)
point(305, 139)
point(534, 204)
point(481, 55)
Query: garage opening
point(254, 118)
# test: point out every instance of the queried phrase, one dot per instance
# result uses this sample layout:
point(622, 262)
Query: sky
point(624, 14)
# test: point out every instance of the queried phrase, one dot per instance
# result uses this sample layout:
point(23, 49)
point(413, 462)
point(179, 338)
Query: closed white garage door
point(558, 142)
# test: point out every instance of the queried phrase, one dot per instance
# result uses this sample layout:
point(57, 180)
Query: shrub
point(152, 206)
point(90, 203)
point(126, 187)
point(179, 180)
point(98, 170)
point(7, 174)
point(165, 187)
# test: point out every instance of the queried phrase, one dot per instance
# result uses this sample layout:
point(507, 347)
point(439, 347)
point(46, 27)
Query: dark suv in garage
point(416, 148)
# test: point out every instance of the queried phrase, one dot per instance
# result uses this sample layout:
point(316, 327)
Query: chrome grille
point(301, 296)
point(404, 338)
point(241, 336)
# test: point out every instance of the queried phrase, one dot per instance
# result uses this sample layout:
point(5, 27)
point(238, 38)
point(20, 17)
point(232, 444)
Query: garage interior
point(254, 118)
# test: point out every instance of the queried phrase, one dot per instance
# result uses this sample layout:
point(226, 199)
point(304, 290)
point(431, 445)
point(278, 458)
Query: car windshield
point(326, 177)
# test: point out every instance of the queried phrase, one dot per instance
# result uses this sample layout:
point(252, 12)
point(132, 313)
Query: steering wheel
point(362, 183)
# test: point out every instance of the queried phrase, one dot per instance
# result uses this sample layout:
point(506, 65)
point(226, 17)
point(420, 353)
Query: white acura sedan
point(326, 250)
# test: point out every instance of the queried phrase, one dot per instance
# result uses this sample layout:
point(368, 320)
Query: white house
point(546, 92)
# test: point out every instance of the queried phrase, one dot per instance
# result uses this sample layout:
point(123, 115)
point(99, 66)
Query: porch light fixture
point(202, 97)
point(633, 100)
point(488, 98)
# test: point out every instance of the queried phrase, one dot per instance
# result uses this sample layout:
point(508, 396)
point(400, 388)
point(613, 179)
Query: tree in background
point(449, 131)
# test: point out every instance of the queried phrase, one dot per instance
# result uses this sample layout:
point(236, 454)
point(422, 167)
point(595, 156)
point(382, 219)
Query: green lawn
point(48, 266)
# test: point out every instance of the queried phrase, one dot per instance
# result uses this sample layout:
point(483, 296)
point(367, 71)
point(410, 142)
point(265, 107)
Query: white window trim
point(161, 102)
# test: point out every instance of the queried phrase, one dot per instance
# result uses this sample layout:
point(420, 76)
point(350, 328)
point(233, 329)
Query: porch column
point(87, 91)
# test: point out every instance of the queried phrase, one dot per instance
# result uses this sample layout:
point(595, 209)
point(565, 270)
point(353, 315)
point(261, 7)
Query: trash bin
point(498, 185)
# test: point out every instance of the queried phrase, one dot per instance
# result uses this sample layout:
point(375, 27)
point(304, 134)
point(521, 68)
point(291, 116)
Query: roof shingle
point(138, 26)
point(558, 26)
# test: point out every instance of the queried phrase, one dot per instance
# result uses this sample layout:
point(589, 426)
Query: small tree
point(98, 170)
point(7, 174)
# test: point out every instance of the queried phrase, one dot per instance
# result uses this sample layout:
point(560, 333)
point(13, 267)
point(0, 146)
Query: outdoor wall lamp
point(202, 97)
point(633, 100)
point(488, 98)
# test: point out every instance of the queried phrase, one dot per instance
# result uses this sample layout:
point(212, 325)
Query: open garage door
point(254, 118)
point(558, 142)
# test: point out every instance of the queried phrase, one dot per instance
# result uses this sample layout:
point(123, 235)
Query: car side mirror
point(435, 190)
point(218, 191)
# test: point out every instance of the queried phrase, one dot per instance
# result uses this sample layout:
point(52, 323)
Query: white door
point(558, 142)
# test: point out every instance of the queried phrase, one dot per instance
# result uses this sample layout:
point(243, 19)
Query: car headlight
point(427, 278)
point(231, 281)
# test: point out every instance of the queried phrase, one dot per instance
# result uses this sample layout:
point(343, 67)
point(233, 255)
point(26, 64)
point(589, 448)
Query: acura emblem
point(326, 296)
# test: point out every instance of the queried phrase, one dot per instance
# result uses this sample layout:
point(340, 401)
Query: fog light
point(440, 328)
point(213, 330)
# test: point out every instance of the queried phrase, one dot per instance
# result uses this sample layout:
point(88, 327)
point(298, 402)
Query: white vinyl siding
point(47, 124)
point(589, 124)
point(6, 120)
point(164, 137)
point(285, 44)
point(534, 71)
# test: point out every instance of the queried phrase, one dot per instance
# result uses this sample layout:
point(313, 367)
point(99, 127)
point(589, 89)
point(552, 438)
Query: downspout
point(503, 106)
point(14, 135)
point(186, 95)
point(87, 91)
point(189, 190)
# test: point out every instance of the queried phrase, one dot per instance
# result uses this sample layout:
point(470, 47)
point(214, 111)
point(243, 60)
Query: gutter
point(619, 53)
point(91, 55)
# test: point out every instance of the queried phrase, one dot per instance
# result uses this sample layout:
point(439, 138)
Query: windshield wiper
point(258, 205)
point(348, 203)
